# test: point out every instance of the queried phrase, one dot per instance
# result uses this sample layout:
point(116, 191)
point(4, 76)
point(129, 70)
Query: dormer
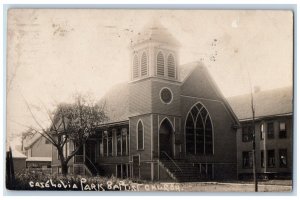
point(154, 54)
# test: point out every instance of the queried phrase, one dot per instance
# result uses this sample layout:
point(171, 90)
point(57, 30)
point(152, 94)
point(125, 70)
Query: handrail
point(171, 160)
point(86, 158)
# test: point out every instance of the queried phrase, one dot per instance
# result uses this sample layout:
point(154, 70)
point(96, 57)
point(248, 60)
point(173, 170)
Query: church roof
point(267, 103)
point(155, 31)
point(116, 100)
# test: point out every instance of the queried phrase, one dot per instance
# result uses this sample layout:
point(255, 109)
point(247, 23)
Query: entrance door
point(166, 138)
point(90, 150)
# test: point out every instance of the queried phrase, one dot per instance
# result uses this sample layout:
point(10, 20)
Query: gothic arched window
point(171, 66)
point(199, 132)
point(140, 136)
point(144, 64)
point(160, 64)
point(135, 67)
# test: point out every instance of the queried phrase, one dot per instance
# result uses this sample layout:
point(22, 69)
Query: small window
point(282, 158)
point(247, 159)
point(271, 158)
point(282, 130)
point(262, 159)
point(47, 141)
point(140, 136)
point(171, 66)
point(166, 95)
point(144, 64)
point(262, 134)
point(270, 130)
point(246, 133)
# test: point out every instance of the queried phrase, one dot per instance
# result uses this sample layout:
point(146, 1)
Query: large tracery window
point(144, 64)
point(171, 66)
point(199, 133)
point(160, 64)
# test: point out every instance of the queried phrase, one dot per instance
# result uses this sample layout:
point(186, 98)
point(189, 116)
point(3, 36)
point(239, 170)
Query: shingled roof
point(267, 103)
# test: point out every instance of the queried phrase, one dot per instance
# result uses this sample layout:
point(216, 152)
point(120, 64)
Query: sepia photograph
point(149, 100)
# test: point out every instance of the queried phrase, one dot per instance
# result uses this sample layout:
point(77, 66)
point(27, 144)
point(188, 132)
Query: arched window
point(140, 136)
point(171, 66)
point(160, 64)
point(199, 133)
point(135, 67)
point(144, 64)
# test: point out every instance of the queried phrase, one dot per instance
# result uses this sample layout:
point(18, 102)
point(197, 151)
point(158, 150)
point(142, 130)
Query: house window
point(47, 141)
point(282, 130)
point(135, 67)
point(144, 64)
point(199, 132)
point(247, 159)
point(105, 134)
point(262, 159)
point(271, 158)
point(171, 66)
point(282, 158)
point(246, 133)
point(140, 136)
point(160, 64)
point(270, 130)
point(109, 143)
point(262, 136)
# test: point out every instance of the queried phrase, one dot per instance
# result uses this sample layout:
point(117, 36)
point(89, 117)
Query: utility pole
point(253, 142)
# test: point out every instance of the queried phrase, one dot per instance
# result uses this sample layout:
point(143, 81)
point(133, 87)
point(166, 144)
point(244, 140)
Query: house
point(19, 161)
point(38, 151)
point(273, 133)
point(169, 122)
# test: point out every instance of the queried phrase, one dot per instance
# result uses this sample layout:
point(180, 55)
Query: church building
point(170, 122)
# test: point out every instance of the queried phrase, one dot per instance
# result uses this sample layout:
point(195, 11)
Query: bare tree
point(71, 123)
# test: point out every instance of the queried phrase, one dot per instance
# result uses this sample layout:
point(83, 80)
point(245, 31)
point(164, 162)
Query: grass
point(38, 181)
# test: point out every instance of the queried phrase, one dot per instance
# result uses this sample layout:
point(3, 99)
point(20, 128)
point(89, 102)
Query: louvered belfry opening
point(135, 67)
point(171, 66)
point(144, 64)
point(160, 64)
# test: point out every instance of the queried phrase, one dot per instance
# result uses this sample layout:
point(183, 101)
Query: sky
point(52, 54)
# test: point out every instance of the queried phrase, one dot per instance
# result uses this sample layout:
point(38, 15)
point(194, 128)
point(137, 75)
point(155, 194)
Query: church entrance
point(166, 138)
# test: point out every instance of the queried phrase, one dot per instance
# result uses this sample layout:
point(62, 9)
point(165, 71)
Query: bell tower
point(154, 54)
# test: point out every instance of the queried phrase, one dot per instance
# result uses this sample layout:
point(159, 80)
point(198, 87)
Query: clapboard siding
point(146, 152)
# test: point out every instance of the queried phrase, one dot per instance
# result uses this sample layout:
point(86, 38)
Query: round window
point(166, 95)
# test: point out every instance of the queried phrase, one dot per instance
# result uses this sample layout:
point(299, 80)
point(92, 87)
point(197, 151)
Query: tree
point(74, 123)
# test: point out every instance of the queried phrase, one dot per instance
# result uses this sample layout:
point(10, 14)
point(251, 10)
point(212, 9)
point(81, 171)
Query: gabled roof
point(17, 154)
point(267, 103)
point(117, 99)
point(155, 31)
point(31, 141)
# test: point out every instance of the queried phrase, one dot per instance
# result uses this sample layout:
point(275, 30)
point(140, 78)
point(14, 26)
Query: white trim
point(173, 128)
point(171, 95)
point(151, 131)
point(208, 114)
point(137, 135)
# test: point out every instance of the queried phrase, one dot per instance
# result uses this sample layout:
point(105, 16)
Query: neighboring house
point(38, 151)
point(169, 122)
point(273, 132)
point(19, 160)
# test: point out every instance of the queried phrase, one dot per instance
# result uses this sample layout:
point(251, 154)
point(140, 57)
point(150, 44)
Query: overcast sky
point(52, 54)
